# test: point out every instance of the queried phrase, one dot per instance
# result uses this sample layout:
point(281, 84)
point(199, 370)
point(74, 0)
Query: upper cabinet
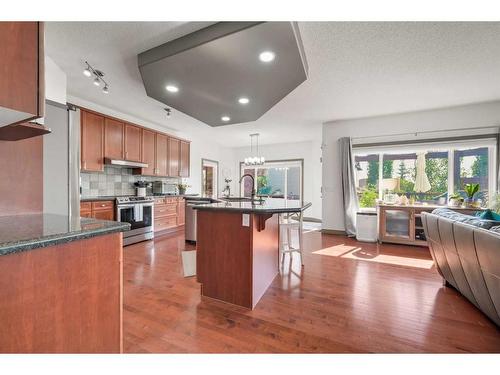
point(148, 152)
point(184, 159)
point(22, 89)
point(105, 137)
point(161, 155)
point(92, 139)
point(133, 143)
point(113, 139)
point(174, 153)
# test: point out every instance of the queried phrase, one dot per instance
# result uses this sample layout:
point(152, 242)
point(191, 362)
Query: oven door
point(139, 216)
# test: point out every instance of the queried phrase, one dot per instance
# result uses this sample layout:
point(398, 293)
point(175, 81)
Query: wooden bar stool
point(290, 222)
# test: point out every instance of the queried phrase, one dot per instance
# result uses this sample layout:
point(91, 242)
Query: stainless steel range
point(138, 212)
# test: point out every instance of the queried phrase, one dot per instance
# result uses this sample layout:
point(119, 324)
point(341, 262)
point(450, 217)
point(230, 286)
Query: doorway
point(209, 178)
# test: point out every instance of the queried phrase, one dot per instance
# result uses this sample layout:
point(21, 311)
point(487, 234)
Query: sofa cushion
point(495, 229)
point(467, 219)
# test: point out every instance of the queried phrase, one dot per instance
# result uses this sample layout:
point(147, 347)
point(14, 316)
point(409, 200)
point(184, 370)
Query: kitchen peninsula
point(237, 248)
point(60, 284)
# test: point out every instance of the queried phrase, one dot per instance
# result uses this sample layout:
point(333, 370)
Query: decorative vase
point(182, 191)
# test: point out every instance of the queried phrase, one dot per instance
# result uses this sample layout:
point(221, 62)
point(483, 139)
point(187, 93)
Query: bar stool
point(290, 222)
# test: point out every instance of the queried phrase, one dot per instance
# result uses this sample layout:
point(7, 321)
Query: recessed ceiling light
point(172, 88)
point(87, 72)
point(243, 100)
point(267, 56)
point(225, 118)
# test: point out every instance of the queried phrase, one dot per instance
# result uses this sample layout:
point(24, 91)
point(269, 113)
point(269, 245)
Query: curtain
point(350, 198)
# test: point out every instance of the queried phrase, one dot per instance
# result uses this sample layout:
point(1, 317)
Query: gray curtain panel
point(350, 198)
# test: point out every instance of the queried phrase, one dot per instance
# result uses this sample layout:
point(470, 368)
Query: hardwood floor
point(350, 297)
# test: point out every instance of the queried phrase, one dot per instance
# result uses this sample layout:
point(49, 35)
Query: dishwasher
point(190, 228)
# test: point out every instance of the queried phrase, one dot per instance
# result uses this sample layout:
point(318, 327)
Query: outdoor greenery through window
point(276, 179)
point(447, 169)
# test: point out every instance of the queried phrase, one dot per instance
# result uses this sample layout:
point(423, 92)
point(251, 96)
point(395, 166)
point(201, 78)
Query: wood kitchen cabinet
point(161, 155)
point(92, 142)
point(113, 139)
point(107, 137)
point(148, 153)
point(169, 214)
point(102, 210)
point(22, 82)
point(173, 156)
point(184, 159)
point(133, 143)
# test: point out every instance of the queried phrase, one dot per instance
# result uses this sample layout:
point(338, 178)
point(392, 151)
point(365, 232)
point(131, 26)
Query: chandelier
point(255, 159)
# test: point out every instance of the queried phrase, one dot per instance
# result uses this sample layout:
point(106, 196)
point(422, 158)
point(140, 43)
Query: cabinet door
point(113, 139)
point(133, 143)
point(148, 152)
point(22, 95)
point(103, 214)
point(92, 150)
point(181, 212)
point(396, 224)
point(161, 154)
point(173, 157)
point(184, 160)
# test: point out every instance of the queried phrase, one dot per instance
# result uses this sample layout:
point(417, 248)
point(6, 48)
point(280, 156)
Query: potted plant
point(182, 188)
point(470, 190)
point(455, 200)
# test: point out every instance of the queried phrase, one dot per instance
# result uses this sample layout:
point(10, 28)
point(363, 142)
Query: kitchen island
point(237, 248)
point(60, 284)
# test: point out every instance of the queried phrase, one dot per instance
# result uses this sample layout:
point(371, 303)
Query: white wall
point(55, 82)
point(466, 118)
point(309, 151)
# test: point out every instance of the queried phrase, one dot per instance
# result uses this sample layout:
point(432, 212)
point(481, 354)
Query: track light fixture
point(168, 110)
point(98, 77)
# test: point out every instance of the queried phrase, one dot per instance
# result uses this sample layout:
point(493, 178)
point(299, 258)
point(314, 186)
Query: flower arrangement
point(182, 187)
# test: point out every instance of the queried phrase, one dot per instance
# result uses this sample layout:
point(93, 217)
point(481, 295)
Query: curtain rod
point(416, 134)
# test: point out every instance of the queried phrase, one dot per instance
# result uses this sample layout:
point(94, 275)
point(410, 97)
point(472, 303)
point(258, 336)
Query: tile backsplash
point(114, 181)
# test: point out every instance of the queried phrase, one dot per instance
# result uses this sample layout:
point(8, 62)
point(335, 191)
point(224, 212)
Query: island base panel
point(236, 263)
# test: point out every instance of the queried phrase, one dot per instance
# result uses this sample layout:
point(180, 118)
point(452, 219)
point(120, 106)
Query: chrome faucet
point(253, 183)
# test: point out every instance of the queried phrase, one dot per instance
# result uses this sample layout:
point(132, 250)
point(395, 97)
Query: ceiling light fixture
point(243, 100)
point(172, 88)
point(255, 159)
point(225, 118)
point(168, 110)
point(267, 56)
point(98, 77)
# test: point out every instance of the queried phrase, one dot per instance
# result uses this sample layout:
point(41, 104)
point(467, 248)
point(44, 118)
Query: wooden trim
point(41, 69)
point(336, 232)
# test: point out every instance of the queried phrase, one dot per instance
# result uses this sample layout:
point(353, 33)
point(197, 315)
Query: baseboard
point(334, 231)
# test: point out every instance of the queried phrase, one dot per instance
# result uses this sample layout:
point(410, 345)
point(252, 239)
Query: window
point(274, 179)
point(448, 166)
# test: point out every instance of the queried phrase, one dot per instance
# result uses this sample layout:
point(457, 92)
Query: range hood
point(125, 163)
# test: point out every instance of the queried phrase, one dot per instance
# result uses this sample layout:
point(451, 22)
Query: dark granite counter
point(26, 232)
point(269, 206)
point(113, 197)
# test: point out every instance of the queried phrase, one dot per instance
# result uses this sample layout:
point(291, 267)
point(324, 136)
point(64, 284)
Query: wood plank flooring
point(349, 297)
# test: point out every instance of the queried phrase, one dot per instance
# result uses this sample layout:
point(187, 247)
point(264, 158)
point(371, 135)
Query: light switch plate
point(246, 220)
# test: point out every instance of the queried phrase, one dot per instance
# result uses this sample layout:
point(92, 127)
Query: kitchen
point(117, 171)
point(241, 187)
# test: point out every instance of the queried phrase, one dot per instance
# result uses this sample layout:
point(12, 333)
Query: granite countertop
point(113, 197)
point(27, 232)
point(269, 206)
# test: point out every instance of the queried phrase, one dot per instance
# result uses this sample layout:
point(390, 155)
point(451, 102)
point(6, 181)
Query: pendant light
point(255, 158)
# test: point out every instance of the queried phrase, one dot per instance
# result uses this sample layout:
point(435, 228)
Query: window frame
point(449, 145)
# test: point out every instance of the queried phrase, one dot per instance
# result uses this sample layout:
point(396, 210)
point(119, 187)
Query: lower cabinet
point(168, 213)
point(101, 210)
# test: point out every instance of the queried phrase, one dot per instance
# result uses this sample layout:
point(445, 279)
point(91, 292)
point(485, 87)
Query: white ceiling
point(356, 69)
